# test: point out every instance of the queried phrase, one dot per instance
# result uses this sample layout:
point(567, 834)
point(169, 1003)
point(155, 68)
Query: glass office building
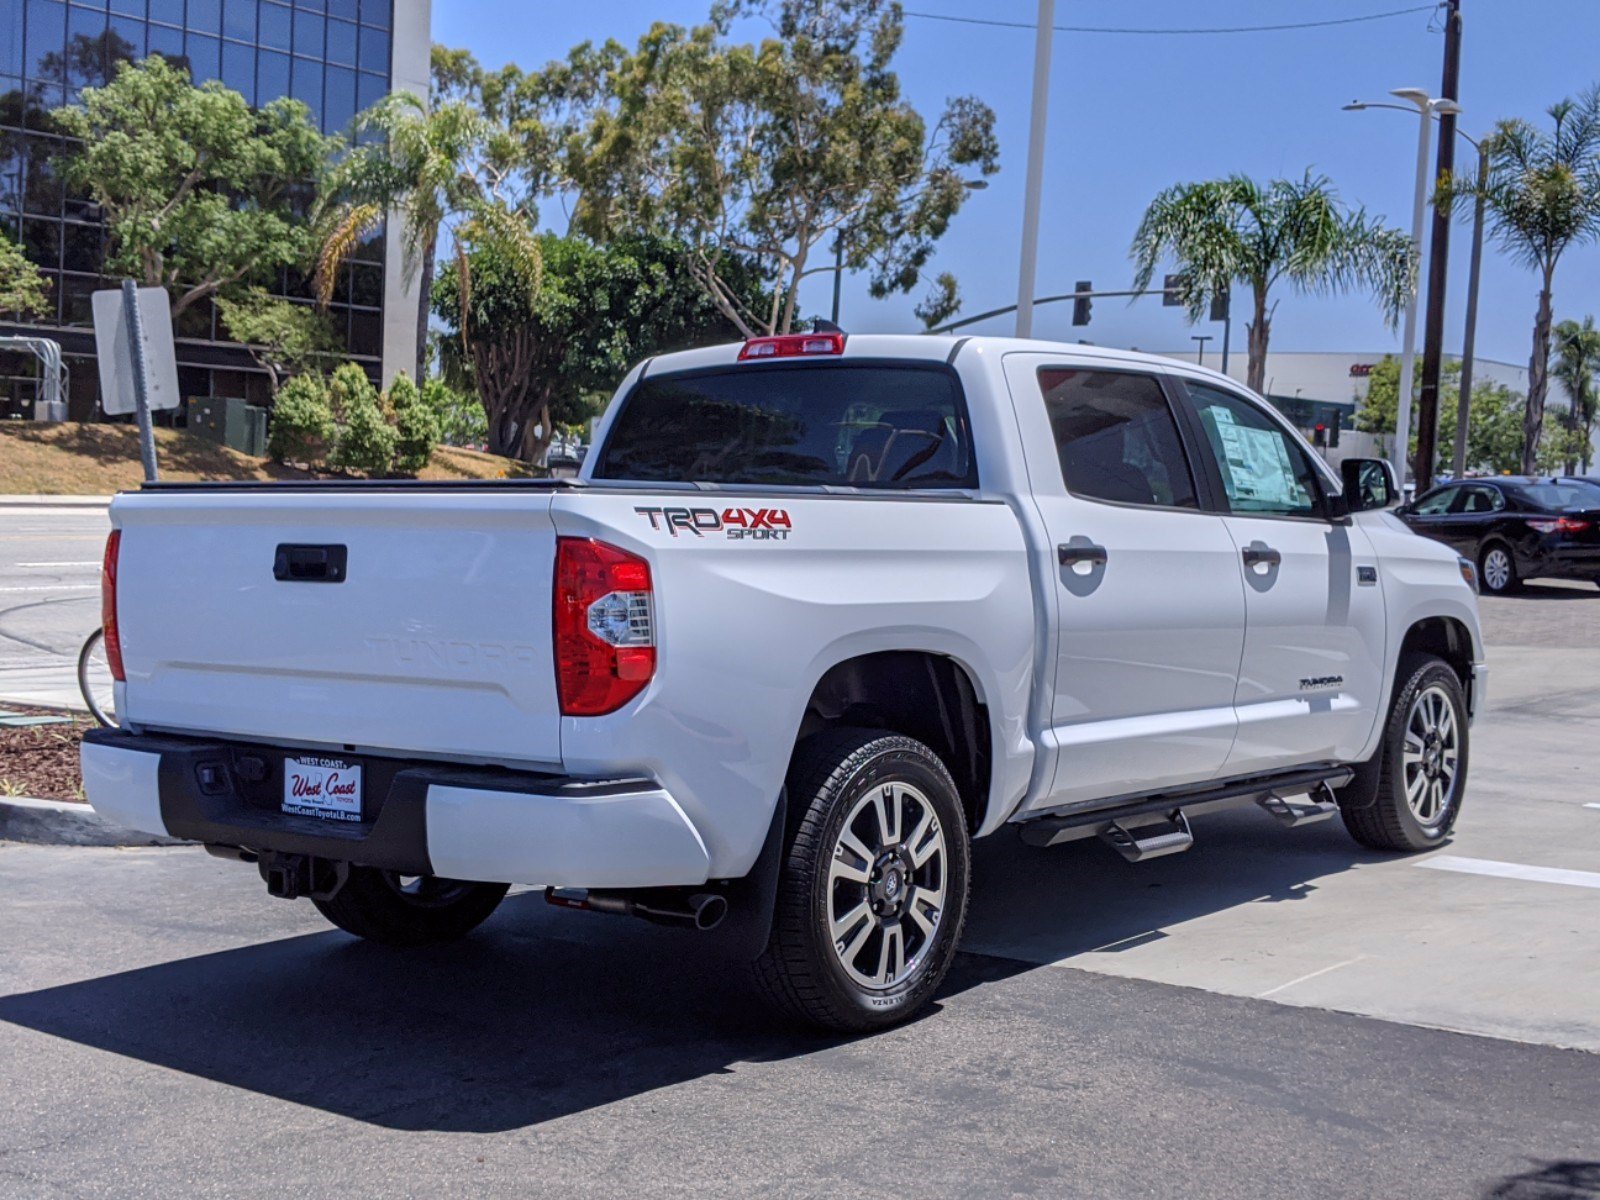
point(338, 56)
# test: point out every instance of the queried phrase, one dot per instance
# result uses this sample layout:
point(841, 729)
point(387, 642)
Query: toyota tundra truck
point(817, 611)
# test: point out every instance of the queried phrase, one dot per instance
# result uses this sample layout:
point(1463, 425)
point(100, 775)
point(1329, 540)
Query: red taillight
point(108, 606)
point(604, 627)
point(792, 345)
point(1558, 525)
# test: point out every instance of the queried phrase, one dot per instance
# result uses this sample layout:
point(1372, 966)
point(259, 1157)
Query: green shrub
point(460, 414)
point(416, 427)
point(302, 426)
point(366, 440)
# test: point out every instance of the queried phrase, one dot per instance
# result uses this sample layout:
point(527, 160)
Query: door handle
point(1257, 556)
point(1082, 552)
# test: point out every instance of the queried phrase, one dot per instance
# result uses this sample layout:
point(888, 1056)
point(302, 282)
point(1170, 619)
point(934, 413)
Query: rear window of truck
point(886, 426)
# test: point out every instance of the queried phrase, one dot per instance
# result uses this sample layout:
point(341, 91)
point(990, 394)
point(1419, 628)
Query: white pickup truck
point(817, 611)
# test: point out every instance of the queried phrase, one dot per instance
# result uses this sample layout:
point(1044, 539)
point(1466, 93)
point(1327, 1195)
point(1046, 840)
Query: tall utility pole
point(1035, 181)
point(1408, 346)
point(1438, 256)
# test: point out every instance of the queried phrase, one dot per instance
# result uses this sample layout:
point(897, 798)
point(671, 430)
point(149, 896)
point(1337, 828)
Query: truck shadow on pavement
point(1565, 1180)
point(543, 1013)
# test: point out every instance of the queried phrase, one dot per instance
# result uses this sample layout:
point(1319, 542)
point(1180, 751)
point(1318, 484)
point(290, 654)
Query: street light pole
point(838, 273)
point(1408, 349)
point(1035, 182)
point(1200, 350)
point(1468, 338)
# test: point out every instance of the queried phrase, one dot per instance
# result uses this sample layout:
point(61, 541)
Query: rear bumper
point(1562, 560)
point(420, 819)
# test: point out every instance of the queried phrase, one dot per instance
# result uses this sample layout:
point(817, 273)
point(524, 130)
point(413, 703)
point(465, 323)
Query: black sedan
point(1515, 527)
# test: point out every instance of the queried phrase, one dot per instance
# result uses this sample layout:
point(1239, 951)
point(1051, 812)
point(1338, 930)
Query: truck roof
point(924, 347)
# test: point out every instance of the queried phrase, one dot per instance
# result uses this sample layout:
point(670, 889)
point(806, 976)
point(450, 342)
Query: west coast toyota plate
point(329, 788)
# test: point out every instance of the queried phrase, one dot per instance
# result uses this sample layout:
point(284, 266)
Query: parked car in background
point(1515, 527)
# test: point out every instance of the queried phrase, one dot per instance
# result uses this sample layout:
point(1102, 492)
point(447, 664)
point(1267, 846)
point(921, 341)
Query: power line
point(1382, 16)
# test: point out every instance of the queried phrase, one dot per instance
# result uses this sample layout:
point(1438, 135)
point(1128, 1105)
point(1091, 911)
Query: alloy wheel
point(1431, 756)
point(1497, 569)
point(886, 885)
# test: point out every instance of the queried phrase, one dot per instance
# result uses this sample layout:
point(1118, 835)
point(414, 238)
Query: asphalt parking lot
point(1275, 1013)
point(49, 598)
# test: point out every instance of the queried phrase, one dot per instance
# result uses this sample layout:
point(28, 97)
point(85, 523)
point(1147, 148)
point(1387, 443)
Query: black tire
point(383, 906)
point(801, 971)
point(1374, 804)
point(1513, 581)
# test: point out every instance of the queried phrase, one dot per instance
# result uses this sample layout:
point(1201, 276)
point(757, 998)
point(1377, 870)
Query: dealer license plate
point(329, 788)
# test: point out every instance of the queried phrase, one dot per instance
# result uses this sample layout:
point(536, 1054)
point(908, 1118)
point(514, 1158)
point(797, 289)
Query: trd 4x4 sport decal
point(747, 524)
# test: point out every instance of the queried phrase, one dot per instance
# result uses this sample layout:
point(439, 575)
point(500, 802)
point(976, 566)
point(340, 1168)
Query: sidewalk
point(15, 501)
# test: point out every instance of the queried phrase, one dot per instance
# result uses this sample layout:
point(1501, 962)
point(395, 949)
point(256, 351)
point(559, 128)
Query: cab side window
point(1436, 503)
point(1117, 438)
point(1264, 470)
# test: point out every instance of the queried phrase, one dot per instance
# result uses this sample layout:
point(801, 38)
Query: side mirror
point(1369, 483)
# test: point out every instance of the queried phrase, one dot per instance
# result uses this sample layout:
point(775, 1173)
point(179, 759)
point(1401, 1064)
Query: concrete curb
point(62, 823)
point(18, 501)
point(78, 708)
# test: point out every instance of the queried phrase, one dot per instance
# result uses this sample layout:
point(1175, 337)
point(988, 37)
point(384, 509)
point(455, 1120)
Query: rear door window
point(1117, 437)
point(893, 427)
point(1479, 500)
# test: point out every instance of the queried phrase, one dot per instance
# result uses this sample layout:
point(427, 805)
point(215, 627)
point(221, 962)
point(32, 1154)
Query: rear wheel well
point(925, 696)
point(1445, 637)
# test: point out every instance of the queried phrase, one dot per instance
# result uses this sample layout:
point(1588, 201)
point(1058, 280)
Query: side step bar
point(1144, 827)
point(1317, 805)
point(1150, 841)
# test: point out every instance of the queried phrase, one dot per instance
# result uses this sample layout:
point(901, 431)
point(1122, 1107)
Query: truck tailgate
point(434, 640)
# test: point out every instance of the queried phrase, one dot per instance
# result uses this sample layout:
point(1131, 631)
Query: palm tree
point(1542, 195)
point(1236, 230)
point(417, 163)
point(1577, 357)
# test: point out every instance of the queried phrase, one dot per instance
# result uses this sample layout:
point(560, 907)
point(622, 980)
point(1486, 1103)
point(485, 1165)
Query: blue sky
point(1131, 114)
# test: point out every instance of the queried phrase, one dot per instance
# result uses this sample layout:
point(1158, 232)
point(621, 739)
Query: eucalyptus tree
point(1576, 359)
point(1542, 196)
point(1290, 231)
point(776, 153)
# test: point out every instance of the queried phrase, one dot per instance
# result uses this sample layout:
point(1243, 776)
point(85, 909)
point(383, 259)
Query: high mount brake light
point(1558, 525)
point(605, 638)
point(792, 345)
point(110, 633)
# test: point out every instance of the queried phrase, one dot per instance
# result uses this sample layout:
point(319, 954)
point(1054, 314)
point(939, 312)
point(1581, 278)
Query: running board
point(1124, 823)
point(1317, 805)
point(1171, 836)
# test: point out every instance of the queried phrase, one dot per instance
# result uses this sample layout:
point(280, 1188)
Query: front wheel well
point(916, 693)
point(1445, 637)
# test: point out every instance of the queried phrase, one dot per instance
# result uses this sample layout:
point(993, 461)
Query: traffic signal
point(1219, 304)
point(1081, 304)
point(1319, 435)
point(1171, 286)
point(1337, 419)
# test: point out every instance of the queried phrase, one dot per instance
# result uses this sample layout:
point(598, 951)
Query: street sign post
point(138, 362)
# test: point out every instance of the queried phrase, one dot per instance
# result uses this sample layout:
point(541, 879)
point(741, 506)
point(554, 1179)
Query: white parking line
point(55, 587)
point(1505, 870)
point(59, 564)
point(1312, 975)
point(1592, 805)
